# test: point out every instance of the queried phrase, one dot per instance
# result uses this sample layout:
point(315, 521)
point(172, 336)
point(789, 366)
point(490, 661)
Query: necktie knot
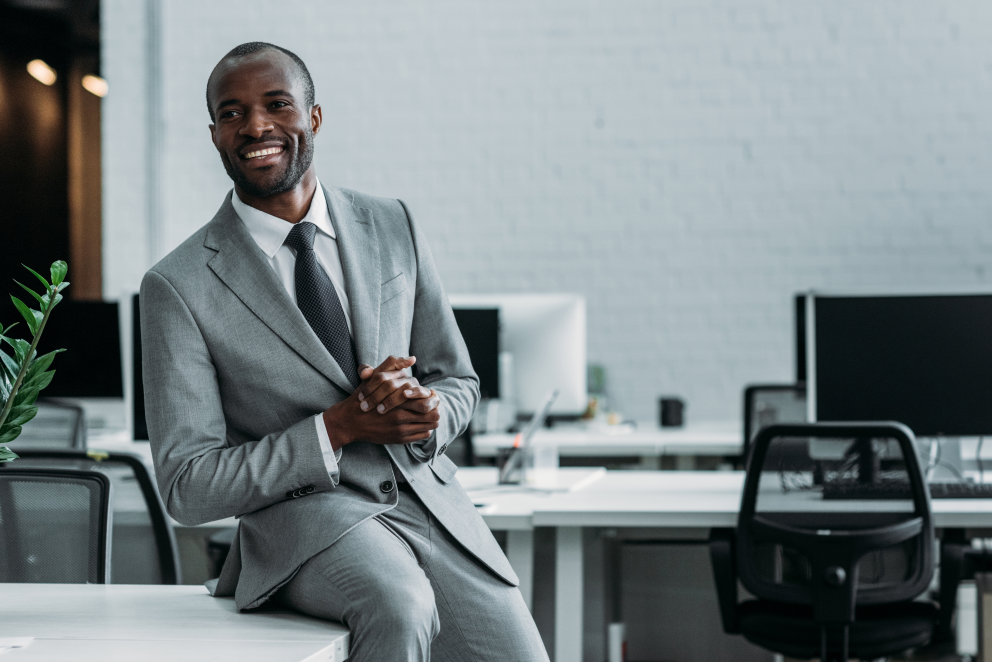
point(301, 236)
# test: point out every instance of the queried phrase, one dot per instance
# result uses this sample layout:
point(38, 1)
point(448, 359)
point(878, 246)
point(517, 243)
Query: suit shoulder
point(383, 209)
point(185, 258)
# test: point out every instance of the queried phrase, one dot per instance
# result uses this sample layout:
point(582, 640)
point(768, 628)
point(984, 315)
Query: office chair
point(144, 544)
point(55, 526)
point(767, 404)
point(831, 578)
point(59, 424)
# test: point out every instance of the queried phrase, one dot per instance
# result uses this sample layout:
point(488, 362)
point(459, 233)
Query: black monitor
point(140, 424)
point(480, 329)
point(925, 361)
point(799, 306)
point(89, 331)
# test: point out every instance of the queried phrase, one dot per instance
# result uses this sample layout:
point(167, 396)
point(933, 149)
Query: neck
point(291, 205)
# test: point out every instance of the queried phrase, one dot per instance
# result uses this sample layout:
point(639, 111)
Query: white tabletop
point(644, 440)
point(183, 622)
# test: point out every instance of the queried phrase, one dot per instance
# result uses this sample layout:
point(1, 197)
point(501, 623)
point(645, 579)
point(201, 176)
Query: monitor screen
point(925, 361)
point(89, 331)
point(480, 329)
point(544, 335)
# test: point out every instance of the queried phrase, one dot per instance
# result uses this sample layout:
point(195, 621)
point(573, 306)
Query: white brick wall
point(685, 164)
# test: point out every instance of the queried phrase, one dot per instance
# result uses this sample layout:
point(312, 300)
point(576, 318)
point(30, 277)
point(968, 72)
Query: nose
point(256, 123)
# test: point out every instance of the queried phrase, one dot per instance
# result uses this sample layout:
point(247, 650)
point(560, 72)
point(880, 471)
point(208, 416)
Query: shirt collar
point(270, 232)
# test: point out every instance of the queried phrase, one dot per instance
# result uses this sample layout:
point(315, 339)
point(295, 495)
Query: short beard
point(290, 178)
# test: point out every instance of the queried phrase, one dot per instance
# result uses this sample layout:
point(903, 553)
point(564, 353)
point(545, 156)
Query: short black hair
point(252, 47)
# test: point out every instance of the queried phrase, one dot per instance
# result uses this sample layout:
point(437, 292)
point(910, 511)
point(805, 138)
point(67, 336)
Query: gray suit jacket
point(233, 375)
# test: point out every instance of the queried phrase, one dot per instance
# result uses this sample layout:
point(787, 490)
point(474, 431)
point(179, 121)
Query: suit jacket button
point(296, 494)
point(308, 489)
point(386, 486)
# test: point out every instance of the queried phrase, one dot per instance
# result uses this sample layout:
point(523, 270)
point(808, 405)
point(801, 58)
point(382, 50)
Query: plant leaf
point(9, 366)
point(31, 292)
point(40, 381)
point(32, 317)
point(45, 300)
point(59, 268)
point(21, 349)
point(62, 286)
point(25, 396)
point(38, 276)
point(10, 435)
point(41, 364)
point(6, 455)
point(20, 415)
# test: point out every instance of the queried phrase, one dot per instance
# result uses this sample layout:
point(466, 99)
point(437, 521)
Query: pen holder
point(515, 474)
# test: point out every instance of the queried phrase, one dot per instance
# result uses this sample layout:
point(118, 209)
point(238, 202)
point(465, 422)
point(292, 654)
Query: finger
point(396, 363)
point(421, 406)
point(393, 400)
point(364, 372)
point(416, 392)
point(403, 416)
point(380, 379)
point(374, 401)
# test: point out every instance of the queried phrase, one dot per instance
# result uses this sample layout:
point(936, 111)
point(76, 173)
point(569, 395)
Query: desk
point(108, 622)
point(645, 441)
point(666, 499)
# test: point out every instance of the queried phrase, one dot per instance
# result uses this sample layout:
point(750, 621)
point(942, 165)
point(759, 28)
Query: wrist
point(336, 432)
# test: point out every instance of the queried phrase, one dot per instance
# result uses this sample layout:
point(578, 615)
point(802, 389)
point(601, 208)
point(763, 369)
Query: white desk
point(666, 499)
point(113, 622)
point(646, 440)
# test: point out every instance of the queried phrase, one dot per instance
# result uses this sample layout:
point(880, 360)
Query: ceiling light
point(95, 85)
point(41, 71)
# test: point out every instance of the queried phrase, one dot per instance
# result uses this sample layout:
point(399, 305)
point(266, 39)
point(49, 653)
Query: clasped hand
point(388, 407)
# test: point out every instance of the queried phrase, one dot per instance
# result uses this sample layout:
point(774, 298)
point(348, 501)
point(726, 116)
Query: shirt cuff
point(331, 456)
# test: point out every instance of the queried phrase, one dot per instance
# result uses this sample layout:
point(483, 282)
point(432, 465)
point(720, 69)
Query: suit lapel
point(358, 246)
point(243, 267)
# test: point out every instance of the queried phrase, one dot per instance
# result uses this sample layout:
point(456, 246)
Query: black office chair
point(767, 404)
point(55, 526)
point(834, 576)
point(144, 544)
point(58, 424)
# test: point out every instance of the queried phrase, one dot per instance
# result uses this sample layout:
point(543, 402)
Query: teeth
point(263, 152)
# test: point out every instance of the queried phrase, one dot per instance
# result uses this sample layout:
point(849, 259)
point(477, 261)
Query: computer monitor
point(480, 330)
point(925, 361)
point(138, 421)
point(89, 331)
point(799, 326)
point(546, 335)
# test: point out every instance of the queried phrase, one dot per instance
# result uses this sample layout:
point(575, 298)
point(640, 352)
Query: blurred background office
point(683, 166)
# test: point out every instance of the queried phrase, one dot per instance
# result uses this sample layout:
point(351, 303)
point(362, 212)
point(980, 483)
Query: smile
point(263, 152)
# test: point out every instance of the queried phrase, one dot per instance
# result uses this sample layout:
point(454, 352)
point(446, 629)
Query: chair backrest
point(144, 543)
point(767, 404)
point(59, 424)
point(834, 515)
point(55, 526)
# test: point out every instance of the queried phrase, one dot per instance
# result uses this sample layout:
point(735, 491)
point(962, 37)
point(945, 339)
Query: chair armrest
point(725, 576)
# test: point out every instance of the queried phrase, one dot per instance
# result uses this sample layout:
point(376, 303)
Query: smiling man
point(259, 337)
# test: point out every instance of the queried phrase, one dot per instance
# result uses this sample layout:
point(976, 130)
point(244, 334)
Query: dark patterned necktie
point(319, 302)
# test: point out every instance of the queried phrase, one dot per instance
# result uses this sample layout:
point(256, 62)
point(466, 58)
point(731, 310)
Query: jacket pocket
point(443, 468)
point(392, 287)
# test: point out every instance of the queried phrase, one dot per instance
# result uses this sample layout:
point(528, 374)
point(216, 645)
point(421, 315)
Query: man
point(259, 337)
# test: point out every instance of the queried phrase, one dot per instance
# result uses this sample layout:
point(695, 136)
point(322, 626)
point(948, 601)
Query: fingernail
point(365, 406)
point(381, 408)
point(361, 397)
point(408, 393)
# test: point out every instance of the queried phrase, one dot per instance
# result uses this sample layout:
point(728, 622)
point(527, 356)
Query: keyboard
point(892, 490)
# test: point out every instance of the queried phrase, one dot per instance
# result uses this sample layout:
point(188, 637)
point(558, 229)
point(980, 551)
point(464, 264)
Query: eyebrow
point(234, 102)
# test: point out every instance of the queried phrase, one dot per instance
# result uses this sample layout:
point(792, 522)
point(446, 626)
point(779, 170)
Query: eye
point(228, 114)
point(279, 104)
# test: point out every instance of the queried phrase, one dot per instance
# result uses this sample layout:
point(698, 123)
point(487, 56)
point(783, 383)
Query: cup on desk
point(671, 410)
point(542, 465)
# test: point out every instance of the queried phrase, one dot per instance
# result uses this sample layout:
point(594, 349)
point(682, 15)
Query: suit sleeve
point(201, 477)
point(443, 363)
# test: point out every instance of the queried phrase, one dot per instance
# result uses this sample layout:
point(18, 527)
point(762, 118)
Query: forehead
point(249, 77)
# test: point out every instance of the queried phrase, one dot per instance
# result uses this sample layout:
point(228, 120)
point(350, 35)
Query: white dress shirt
point(270, 233)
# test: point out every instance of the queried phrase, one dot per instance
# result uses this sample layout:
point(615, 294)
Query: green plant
point(24, 374)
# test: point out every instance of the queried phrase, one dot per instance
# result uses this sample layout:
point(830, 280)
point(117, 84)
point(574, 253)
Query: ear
point(316, 118)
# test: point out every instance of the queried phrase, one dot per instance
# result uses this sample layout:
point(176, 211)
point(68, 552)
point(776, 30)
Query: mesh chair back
point(55, 526)
point(768, 404)
point(834, 515)
point(144, 543)
point(59, 424)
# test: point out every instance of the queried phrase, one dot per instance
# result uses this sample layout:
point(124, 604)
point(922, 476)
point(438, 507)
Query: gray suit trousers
point(409, 592)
